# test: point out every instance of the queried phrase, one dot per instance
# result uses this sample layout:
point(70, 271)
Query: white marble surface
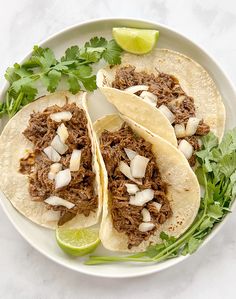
point(211, 272)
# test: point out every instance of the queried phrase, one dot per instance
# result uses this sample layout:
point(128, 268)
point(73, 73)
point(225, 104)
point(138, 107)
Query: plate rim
point(217, 227)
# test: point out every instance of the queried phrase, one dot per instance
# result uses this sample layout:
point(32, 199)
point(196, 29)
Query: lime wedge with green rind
point(77, 242)
point(135, 41)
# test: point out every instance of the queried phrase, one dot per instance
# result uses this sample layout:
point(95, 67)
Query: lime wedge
point(136, 41)
point(77, 242)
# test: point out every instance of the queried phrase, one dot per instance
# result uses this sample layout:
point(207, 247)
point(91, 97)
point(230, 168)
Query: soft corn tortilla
point(14, 146)
point(183, 188)
point(192, 77)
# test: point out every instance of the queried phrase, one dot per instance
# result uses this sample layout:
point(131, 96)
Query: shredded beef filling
point(126, 217)
point(168, 91)
point(80, 191)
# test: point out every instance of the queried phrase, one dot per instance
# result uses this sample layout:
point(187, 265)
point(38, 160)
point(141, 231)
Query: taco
point(148, 186)
point(169, 94)
point(48, 167)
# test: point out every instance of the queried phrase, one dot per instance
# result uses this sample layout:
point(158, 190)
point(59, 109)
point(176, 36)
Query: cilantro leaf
point(215, 211)
point(73, 82)
point(193, 244)
point(207, 223)
point(54, 77)
point(96, 42)
point(228, 164)
point(112, 53)
point(89, 83)
point(72, 53)
point(209, 141)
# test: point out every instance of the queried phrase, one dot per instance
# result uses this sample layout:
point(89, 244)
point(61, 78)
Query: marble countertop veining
point(211, 272)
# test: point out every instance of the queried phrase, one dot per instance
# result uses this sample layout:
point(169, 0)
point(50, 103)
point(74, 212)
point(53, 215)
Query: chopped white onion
point(157, 205)
point(141, 197)
point(180, 130)
point(125, 169)
point(146, 215)
point(136, 88)
point(62, 132)
point(186, 148)
point(130, 153)
point(52, 154)
point(150, 95)
point(58, 201)
point(138, 166)
point(51, 176)
point(60, 147)
point(62, 178)
point(54, 169)
point(51, 216)
point(149, 101)
point(75, 160)
point(149, 98)
point(132, 188)
point(60, 116)
point(192, 125)
point(146, 226)
point(166, 111)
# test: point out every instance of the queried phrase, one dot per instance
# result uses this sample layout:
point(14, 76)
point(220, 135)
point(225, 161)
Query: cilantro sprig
point(216, 174)
point(42, 68)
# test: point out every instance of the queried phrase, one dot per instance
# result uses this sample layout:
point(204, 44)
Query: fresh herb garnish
point(217, 175)
point(42, 67)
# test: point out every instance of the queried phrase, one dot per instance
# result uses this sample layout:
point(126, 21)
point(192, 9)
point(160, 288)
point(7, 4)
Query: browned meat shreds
point(127, 218)
point(40, 131)
point(168, 91)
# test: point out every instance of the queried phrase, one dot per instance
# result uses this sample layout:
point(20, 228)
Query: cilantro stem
point(16, 104)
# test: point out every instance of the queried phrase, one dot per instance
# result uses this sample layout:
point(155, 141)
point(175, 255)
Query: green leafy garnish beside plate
point(75, 67)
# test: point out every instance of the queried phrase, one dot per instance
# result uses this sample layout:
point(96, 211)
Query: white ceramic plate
point(43, 239)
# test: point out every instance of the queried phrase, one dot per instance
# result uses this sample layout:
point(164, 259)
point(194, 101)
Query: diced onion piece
point(157, 205)
point(125, 169)
point(166, 111)
point(54, 169)
point(149, 97)
point(186, 148)
point(145, 227)
point(51, 216)
point(132, 188)
point(60, 116)
point(192, 125)
point(52, 154)
point(141, 197)
point(51, 176)
point(130, 153)
point(136, 88)
point(146, 215)
point(138, 166)
point(149, 101)
point(75, 160)
point(148, 94)
point(180, 130)
point(62, 132)
point(58, 201)
point(62, 178)
point(57, 144)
